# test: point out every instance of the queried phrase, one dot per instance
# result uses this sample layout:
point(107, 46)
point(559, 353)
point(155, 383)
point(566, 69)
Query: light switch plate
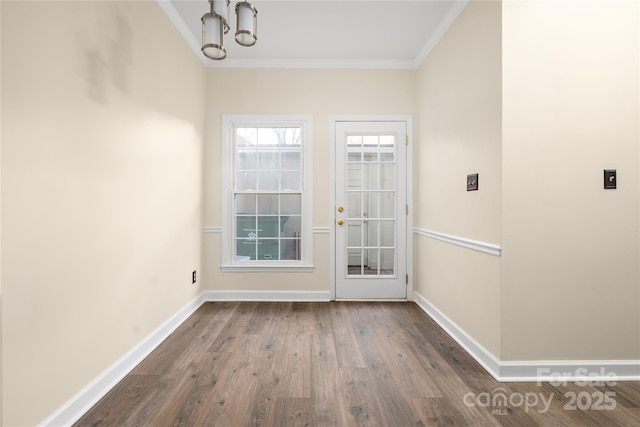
point(472, 182)
point(610, 179)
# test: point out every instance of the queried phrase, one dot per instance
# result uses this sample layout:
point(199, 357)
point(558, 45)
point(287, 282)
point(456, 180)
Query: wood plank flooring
point(336, 364)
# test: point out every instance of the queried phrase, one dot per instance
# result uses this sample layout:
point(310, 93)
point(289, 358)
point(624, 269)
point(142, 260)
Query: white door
point(371, 210)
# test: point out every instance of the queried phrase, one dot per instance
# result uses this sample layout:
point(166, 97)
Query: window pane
point(245, 249)
point(371, 141)
point(268, 160)
point(291, 226)
point(354, 233)
point(387, 179)
point(387, 206)
point(268, 249)
point(371, 261)
point(290, 204)
point(386, 234)
point(372, 233)
point(246, 181)
point(354, 205)
point(354, 176)
point(290, 249)
point(387, 261)
point(354, 148)
point(280, 136)
point(355, 262)
point(292, 136)
point(245, 204)
point(387, 148)
point(291, 160)
point(246, 226)
point(246, 137)
point(267, 137)
point(291, 232)
point(386, 141)
point(290, 181)
point(268, 204)
point(354, 140)
point(247, 160)
point(268, 226)
point(371, 179)
point(370, 155)
point(386, 157)
point(372, 205)
point(268, 181)
point(355, 157)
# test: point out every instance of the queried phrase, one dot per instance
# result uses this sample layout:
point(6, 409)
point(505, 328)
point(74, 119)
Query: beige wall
point(320, 93)
point(571, 287)
point(101, 187)
point(459, 102)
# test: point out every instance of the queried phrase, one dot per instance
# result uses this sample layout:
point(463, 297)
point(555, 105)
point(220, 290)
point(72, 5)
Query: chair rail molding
point(476, 245)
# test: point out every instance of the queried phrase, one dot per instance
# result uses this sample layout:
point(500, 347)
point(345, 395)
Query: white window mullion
point(269, 165)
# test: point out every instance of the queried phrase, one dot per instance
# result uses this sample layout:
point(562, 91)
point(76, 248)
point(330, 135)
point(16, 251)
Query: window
point(267, 199)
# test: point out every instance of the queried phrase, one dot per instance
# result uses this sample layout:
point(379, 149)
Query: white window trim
point(229, 123)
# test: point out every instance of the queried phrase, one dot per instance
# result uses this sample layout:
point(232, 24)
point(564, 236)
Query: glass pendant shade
point(212, 36)
point(246, 28)
point(221, 8)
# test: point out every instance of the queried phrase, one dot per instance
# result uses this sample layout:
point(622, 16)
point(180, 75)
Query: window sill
point(264, 268)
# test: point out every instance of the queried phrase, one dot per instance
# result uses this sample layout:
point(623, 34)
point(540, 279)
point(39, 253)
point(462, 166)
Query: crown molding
point(445, 24)
point(194, 44)
point(311, 63)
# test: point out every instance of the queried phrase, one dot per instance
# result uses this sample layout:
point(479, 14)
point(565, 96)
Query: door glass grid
point(371, 200)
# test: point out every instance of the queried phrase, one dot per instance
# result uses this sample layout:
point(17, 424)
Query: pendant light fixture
point(246, 24)
point(215, 24)
point(213, 36)
point(221, 8)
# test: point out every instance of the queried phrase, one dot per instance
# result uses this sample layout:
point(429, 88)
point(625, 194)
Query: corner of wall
point(460, 106)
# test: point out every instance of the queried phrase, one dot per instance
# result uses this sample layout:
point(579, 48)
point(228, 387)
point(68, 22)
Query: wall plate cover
point(472, 182)
point(610, 179)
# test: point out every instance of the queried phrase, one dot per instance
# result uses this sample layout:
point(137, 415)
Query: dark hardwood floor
point(337, 364)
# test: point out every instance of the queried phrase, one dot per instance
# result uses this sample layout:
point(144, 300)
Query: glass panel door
point(370, 210)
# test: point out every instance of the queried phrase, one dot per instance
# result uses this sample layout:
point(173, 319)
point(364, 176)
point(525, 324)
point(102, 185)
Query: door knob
point(340, 222)
point(340, 209)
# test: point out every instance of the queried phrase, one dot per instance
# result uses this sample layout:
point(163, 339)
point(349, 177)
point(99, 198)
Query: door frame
point(333, 119)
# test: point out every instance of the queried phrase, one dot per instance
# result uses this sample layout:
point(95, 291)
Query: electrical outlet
point(193, 277)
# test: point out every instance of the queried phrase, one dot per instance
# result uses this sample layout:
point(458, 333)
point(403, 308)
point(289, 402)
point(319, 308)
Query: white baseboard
point(570, 371)
point(483, 356)
point(533, 371)
point(267, 296)
point(79, 404)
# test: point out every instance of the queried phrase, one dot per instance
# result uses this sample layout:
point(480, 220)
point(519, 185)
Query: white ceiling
point(312, 33)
